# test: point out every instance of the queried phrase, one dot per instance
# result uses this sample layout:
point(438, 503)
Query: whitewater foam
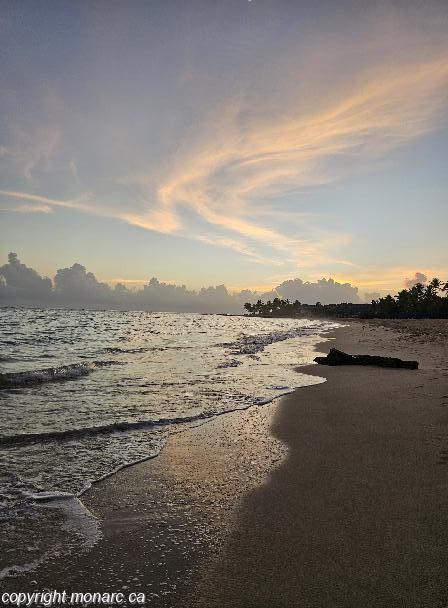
point(230, 363)
point(253, 344)
point(58, 438)
point(80, 528)
point(50, 374)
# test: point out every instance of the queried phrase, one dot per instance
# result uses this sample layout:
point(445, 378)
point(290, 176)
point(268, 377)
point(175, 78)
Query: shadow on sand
point(355, 516)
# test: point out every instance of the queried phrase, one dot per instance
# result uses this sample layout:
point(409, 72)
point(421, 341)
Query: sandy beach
point(355, 516)
point(201, 202)
point(333, 496)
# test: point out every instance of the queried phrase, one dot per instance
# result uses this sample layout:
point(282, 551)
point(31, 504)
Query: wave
point(125, 465)
point(4, 359)
point(82, 526)
point(252, 344)
point(230, 363)
point(28, 438)
point(50, 374)
point(117, 350)
point(50, 496)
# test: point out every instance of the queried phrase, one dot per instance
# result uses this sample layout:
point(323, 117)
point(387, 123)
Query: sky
point(244, 143)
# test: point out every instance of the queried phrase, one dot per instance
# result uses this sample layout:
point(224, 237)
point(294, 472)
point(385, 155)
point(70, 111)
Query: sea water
point(86, 393)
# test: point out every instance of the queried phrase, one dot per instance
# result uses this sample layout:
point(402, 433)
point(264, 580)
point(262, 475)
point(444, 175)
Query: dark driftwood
point(337, 357)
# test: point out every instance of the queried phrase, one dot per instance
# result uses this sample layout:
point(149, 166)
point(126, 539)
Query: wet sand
point(356, 515)
point(166, 520)
point(333, 496)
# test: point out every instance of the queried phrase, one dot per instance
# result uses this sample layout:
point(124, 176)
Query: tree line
point(419, 301)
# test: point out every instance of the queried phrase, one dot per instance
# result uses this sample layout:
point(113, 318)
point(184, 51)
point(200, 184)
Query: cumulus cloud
point(78, 288)
point(164, 296)
point(418, 277)
point(325, 291)
point(371, 295)
point(22, 285)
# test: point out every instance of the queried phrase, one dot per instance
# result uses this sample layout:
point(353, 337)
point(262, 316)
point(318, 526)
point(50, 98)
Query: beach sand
point(333, 496)
point(356, 515)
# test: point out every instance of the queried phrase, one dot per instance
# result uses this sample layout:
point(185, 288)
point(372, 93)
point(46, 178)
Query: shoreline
point(356, 513)
point(201, 524)
point(159, 509)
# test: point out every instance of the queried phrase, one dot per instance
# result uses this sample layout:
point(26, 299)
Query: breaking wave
point(117, 427)
point(252, 344)
point(50, 374)
point(58, 438)
point(230, 363)
point(119, 351)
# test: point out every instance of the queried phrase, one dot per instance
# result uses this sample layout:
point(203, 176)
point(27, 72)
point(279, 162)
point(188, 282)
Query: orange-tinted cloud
point(223, 176)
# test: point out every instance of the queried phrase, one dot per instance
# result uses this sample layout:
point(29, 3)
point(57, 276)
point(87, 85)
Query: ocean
point(86, 393)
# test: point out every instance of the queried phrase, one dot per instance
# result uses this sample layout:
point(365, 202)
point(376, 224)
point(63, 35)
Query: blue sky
point(231, 142)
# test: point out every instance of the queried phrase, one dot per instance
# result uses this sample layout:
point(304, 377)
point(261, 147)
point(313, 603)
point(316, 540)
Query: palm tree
point(431, 291)
point(250, 308)
point(259, 307)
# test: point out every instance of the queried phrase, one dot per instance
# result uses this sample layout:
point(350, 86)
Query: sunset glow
point(252, 140)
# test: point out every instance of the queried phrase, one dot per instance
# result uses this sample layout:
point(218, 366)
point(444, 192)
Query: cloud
point(22, 285)
point(39, 202)
point(158, 295)
point(75, 287)
point(230, 130)
point(325, 291)
point(238, 178)
point(29, 209)
point(386, 279)
point(419, 277)
point(31, 150)
point(241, 159)
point(371, 295)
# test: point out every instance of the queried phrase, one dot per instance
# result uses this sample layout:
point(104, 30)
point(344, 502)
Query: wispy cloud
point(31, 148)
point(223, 175)
point(231, 175)
point(28, 209)
point(40, 202)
point(387, 279)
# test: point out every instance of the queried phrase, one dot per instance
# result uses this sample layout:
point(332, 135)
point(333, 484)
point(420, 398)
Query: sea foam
point(50, 374)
